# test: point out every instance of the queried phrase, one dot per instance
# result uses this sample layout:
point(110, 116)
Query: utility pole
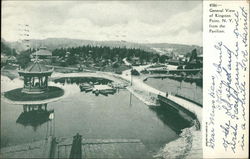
point(131, 77)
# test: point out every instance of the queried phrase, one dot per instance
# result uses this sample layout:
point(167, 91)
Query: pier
point(77, 147)
point(36, 149)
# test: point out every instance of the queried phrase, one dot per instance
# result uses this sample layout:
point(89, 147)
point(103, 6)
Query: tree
point(193, 55)
point(5, 49)
point(71, 59)
point(23, 58)
point(162, 58)
point(135, 72)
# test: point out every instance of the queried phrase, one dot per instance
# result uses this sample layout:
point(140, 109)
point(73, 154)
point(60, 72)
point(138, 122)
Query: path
point(138, 83)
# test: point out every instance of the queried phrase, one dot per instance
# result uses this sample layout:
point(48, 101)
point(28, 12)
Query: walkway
point(195, 149)
point(138, 83)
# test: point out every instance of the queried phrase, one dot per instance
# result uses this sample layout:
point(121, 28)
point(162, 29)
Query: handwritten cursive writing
point(228, 87)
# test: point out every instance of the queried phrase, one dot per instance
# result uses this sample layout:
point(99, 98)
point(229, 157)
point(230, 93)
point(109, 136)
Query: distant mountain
point(166, 48)
point(54, 43)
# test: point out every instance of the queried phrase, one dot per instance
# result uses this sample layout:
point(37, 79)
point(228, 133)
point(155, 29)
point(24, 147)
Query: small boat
point(108, 91)
point(86, 87)
point(96, 92)
point(103, 89)
point(105, 94)
point(88, 90)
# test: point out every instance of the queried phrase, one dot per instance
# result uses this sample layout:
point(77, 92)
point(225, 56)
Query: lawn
point(18, 95)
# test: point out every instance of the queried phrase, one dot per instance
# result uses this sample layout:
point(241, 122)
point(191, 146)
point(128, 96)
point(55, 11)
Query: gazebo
point(35, 78)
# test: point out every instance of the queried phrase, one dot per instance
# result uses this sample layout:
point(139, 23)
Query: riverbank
point(188, 145)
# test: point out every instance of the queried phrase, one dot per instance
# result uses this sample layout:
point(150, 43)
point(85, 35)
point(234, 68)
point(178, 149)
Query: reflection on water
point(34, 115)
point(118, 116)
point(90, 84)
point(170, 117)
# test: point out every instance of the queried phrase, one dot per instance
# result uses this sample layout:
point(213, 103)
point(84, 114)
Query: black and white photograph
point(102, 79)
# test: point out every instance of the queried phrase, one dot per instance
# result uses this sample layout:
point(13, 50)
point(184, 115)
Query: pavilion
point(42, 53)
point(35, 78)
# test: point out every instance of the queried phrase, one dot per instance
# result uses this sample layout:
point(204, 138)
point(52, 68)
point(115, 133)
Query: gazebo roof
point(43, 52)
point(36, 68)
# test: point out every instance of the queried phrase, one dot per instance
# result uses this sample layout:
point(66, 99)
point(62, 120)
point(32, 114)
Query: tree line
point(104, 53)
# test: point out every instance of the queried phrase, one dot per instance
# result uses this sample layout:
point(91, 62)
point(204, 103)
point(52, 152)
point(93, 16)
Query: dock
point(37, 149)
point(78, 147)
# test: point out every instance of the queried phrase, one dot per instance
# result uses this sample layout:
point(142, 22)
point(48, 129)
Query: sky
point(134, 21)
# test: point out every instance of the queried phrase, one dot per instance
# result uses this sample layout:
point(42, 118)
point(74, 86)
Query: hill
point(55, 43)
point(167, 48)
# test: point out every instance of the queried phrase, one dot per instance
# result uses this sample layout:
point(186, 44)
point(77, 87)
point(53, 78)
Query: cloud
point(137, 21)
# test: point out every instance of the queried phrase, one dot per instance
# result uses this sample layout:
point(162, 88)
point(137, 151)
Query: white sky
point(137, 21)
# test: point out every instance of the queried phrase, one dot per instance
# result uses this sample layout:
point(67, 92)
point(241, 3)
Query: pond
point(187, 90)
point(116, 116)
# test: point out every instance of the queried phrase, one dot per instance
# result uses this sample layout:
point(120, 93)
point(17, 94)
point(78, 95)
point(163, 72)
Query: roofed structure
point(43, 53)
point(36, 77)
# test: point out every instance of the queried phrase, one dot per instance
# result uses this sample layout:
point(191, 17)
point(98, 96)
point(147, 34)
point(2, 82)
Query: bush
point(135, 72)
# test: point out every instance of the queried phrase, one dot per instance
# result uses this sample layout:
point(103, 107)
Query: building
point(200, 58)
point(181, 58)
point(35, 78)
point(3, 59)
point(43, 54)
point(135, 61)
point(12, 60)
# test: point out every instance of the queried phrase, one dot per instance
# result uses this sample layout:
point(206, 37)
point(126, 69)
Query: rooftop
point(36, 67)
point(43, 52)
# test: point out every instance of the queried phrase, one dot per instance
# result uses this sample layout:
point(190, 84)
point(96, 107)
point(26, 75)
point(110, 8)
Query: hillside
point(182, 49)
point(55, 43)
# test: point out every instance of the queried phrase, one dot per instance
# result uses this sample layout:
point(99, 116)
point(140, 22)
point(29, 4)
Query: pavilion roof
point(36, 67)
point(42, 52)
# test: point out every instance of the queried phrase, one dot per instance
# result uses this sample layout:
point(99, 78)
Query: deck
point(88, 148)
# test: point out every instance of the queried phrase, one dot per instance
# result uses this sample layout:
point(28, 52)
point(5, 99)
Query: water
point(117, 116)
point(185, 89)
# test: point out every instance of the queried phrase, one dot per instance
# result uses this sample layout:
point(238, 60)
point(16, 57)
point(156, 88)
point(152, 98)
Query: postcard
point(125, 79)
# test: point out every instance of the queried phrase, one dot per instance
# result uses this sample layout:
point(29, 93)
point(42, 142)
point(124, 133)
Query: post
point(39, 78)
point(30, 81)
point(131, 78)
point(46, 81)
point(33, 81)
point(76, 149)
point(25, 108)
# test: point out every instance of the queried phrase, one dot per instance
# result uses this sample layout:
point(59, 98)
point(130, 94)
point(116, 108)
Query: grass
point(18, 95)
